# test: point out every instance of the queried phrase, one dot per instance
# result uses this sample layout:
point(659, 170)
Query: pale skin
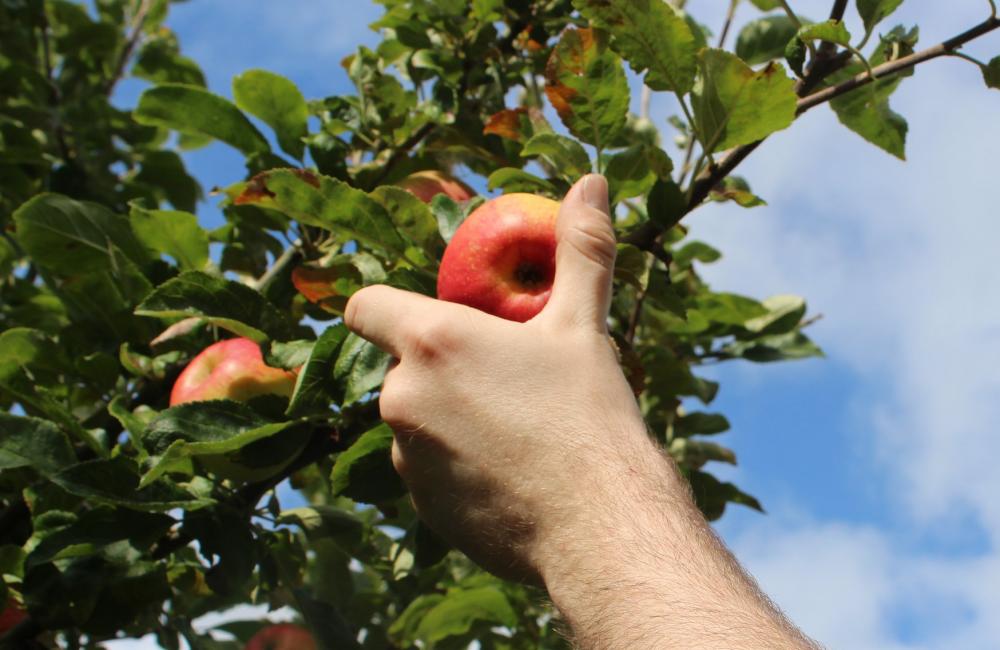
point(523, 445)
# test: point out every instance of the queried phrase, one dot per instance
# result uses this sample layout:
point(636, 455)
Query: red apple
point(427, 184)
point(502, 258)
point(11, 616)
point(231, 369)
point(283, 636)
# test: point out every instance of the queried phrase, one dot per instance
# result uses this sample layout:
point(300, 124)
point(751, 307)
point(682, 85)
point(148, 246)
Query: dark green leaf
point(325, 522)
point(586, 84)
point(735, 189)
point(512, 179)
point(224, 536)
point(991, 73)
point(563, 153)
point(278, 103)
point(634, 171)
point(327, 203)
point(360, 367)
point(412, 217)
point(194, 110)
point(97, 528)
point(698, 423)
point(73, 237)
point(765, 39)
point(734, 105)
point(364, 472)
point(666, 203)
point(174, 233)
point(230, 305)
point(116, 482)
point(872, 12)
point(33, 442)
point(696, 250)
point(712, 495)
point(461, 609)
point(784, 314)
point(779, 347)
point(651, 35)
point(866, 111)
point(314, 386)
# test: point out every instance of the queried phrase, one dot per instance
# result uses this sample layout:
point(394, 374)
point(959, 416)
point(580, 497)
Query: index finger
point(376, 312)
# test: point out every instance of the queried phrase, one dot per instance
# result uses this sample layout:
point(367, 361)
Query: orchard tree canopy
point(125, 513)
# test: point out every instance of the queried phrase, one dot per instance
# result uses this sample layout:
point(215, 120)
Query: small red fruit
point(11, 616)
point(231, 369)
point(427, 184)
point(283, 636)
point(501, 260)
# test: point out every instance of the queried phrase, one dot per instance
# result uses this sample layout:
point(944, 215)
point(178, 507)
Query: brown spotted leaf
point(586, 84)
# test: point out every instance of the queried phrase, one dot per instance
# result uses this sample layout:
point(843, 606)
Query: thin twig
point(839, 7)
point(135, 36)
point(692, 141)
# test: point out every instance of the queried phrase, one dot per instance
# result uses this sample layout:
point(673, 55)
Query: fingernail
point(595, 192)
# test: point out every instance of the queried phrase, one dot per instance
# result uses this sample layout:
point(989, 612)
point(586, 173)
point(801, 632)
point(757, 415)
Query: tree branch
point(839, 7)
point(645, 235)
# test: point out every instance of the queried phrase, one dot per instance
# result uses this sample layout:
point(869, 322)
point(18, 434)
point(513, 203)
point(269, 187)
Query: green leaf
point(784, 313)
point(666, 203)
point(866, 111)
point(364, 472)
point(633, 171)
point(565, 154)
point(586, 84)
point(230, 305)
point(631, 266)
point(460, 609)
point(831, 31)
point(173, 233)
point(696, 453)
point(734, 105)
point(736, 189)
point(779, 347)
point(991, 73)
point(96, 528)
point(512, 179)
point(73, 237)
point(325, 202)
point(278, 103)
point(314, 386)
point(712, 495)
point(164, 172)
point(116, 482)
point(698, 423)
point(872, 12)
point(326, 522)
point(224, 536)
point(651, 35)
point(766, 5)
point(451, 214)
point(764, 39)
point(208, 428)
point(696, 250)
point(412, 217)
point(195, 111)
point(360, 368)
point(33, 442)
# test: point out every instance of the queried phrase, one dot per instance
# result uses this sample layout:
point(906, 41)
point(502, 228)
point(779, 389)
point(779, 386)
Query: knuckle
point(596, 241)
point(396, 405)
point(431, 339)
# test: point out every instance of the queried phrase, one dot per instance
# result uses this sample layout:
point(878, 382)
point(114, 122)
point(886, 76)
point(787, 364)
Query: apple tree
point(121, 515)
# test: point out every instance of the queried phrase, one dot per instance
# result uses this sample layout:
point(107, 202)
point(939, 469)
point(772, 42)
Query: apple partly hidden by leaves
point(11, 616)
point(282, 636)
point(425, 185)
point(501, 260)
point(231, 369)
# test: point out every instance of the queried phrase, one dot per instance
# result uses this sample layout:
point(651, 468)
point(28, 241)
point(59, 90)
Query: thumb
point(585, 256)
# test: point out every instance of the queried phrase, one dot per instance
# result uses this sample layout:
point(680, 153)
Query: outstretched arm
point(523, 445)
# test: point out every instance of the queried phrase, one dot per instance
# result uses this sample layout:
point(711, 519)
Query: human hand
point(501, 427)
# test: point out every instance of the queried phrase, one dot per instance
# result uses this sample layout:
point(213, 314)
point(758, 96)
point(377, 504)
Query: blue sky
point(877, 464)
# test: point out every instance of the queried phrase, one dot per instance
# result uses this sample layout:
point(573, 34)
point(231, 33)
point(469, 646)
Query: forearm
point(643, 569)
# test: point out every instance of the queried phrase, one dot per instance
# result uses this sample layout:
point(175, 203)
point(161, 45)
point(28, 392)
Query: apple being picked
point(283, 636)
point(501, 260)
point(427, 184)
point(231, 369)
